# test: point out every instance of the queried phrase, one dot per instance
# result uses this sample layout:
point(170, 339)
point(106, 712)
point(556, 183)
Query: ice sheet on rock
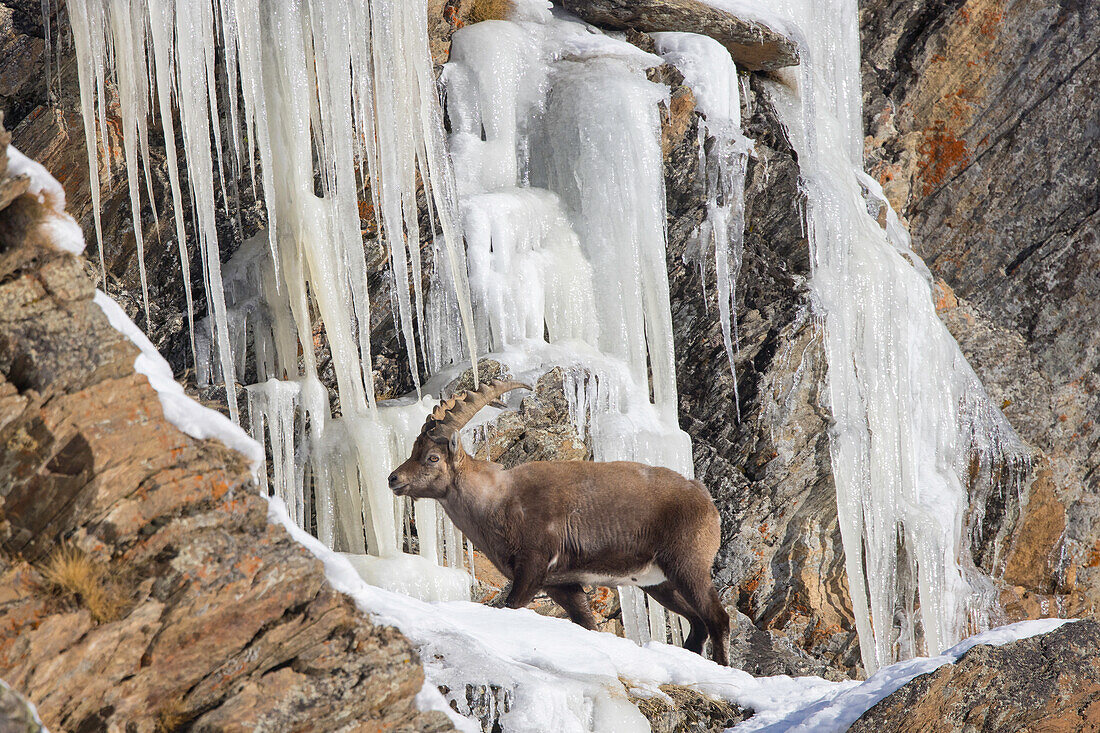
point(414, 576)
point(189, 416)
point(911, 416)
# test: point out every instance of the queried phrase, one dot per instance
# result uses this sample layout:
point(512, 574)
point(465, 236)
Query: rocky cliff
point(141, 585)
point(1049, 682)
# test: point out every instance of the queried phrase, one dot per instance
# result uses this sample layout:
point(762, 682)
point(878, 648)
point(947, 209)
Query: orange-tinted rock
point(227, 623)
point(1047, 683)
point(979, 117)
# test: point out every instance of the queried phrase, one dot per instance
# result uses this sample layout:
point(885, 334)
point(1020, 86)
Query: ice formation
point(910, 412)
point(533, 139)
point(348, 81)
point(287, 90)
point(711, 74)
point(555, 137)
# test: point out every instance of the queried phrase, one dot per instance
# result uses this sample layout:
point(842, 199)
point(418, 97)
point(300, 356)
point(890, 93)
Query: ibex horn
point(455, 412)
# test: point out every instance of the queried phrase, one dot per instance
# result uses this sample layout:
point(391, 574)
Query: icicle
point(710, 72)
point(87, 21)
point(194, 32)
point(129, 51)
point(47, 11)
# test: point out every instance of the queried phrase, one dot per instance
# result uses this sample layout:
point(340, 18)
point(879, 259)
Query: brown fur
point(556, 525)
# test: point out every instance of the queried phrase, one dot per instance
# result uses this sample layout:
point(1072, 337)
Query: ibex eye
point(433, 458)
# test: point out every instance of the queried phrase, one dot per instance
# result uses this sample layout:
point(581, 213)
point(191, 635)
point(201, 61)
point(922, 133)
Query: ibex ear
point(454, 446)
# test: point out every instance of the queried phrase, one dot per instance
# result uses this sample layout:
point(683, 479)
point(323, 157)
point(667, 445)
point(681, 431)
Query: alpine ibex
point(563, 525)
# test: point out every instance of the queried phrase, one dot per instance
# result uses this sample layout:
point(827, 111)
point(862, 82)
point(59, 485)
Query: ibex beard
point(558, 526)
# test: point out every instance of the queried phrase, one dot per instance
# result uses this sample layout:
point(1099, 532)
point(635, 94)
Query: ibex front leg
point(528, 577)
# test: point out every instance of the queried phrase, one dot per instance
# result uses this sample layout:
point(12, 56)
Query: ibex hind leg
point(667, 595)
point(692, 581)
point(574, 600)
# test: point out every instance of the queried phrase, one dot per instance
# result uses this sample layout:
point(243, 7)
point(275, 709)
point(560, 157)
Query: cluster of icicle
point(348, 83)
point(911, 415)
point(340, 90)
point(711, 74)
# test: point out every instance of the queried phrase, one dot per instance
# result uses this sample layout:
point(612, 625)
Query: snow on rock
point(838, 711)
point(43, 186)
point(562, 677)
point(57, 227)
point(189, 416)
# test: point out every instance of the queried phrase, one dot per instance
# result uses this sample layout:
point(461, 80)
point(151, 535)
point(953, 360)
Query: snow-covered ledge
point(565, 678)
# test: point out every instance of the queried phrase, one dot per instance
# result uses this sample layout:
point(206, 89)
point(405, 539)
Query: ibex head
point(430, 471)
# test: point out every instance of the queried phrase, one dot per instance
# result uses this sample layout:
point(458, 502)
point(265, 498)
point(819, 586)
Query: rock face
point(962, 95)
point(1045, 683)
point(16, 714)
point(686, 710)
point(753, 45)
point(781, 565)
point(980, 126)
point(141, 585)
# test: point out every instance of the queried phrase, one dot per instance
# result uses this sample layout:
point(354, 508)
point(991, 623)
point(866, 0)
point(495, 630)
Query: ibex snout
point(397, 486)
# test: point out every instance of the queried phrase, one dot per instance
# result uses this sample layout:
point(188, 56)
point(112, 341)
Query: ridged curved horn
point(460, 409)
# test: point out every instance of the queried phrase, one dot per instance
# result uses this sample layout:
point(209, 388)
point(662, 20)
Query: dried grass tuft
point(491, 10)
point(70, 572)
point(173, 716)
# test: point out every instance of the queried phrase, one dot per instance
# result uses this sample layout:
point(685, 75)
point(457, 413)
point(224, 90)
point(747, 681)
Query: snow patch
point(58, 228)
point(43, 186)
point(561, 677)
point(189, 416)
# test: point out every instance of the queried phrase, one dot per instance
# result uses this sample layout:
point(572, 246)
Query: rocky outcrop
point(1049, 683)
point(753, 45)
point(686, 710)
point(141, 585)
point(16, 714)
point(975, 113)
point(764, 453)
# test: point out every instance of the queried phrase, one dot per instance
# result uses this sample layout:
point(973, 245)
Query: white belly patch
point(644, 576)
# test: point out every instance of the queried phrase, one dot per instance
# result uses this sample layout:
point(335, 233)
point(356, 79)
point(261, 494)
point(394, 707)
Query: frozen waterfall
point(556, 145)
point(557, 191)
point(910, 414)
